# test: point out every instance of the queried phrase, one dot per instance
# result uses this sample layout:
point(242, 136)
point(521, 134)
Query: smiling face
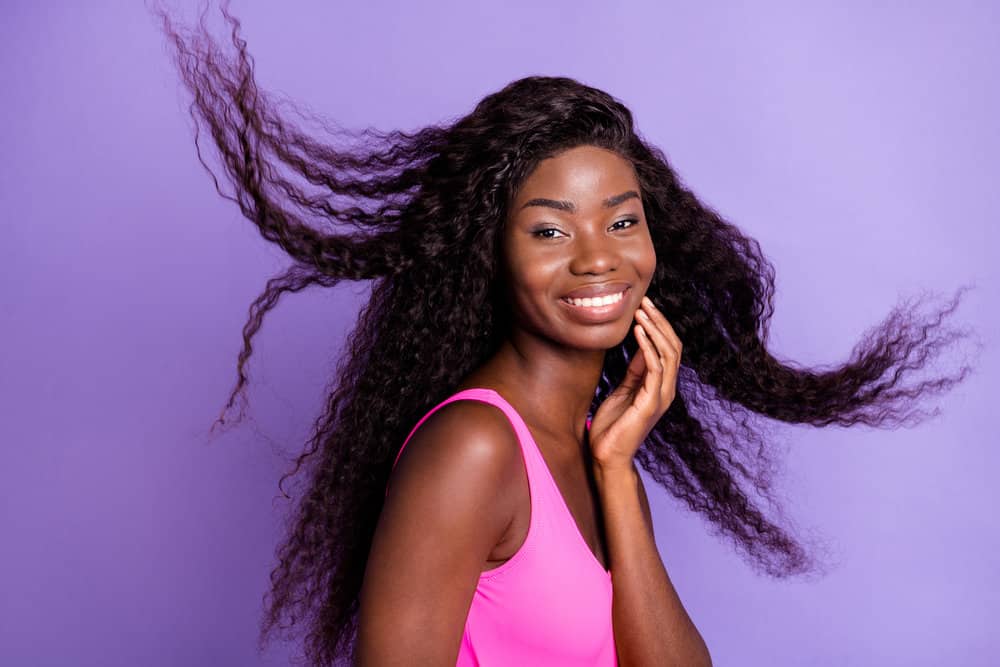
point(578, 256)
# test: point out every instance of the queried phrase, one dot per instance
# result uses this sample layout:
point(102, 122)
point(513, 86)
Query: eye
point(631, 221)
point(541, 233)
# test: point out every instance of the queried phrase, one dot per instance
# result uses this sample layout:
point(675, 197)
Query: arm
point(650, 624)
point(443, 515)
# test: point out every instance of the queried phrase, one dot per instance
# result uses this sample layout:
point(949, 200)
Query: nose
point(594, 253)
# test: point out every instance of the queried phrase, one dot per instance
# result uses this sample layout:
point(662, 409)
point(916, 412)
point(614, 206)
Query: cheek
point(531, 288)
point(644, 260)
point(527, 280)
point(649, 265)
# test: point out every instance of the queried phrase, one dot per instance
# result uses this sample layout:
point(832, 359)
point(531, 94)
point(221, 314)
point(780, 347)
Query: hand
point(629, 412)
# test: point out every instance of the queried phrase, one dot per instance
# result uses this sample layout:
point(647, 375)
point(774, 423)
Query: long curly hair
point(427, 212)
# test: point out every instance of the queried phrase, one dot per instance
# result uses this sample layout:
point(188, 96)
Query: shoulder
point(454, 484)
point(465, 444)
point(445, 511)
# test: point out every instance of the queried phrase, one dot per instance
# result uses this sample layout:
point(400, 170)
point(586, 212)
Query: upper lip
point(597, 289)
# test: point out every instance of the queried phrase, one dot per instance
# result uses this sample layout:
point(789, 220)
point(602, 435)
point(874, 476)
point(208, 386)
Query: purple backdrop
point(858, 144)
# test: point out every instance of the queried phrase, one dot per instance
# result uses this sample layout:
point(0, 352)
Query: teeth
point(598, 301)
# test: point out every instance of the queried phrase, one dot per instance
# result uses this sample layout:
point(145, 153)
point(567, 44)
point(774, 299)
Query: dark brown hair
point(427, 209)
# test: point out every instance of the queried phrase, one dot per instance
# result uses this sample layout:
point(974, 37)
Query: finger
point(636, 367)
point(662, 333)
point(670, 358)
point(654, 366)
point(668, 339)
point(661, 321)
point(663, 346)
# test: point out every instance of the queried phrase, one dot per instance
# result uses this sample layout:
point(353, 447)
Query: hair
point(427, 211)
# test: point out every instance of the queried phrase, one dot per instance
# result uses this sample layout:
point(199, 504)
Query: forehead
point(585, 174)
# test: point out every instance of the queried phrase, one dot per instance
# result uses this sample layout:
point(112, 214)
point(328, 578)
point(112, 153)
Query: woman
point(472, 495)
point(577, 259)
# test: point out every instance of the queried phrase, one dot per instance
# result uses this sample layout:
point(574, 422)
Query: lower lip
point(596, 315)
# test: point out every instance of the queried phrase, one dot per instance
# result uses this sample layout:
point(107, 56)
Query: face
point(577, 252)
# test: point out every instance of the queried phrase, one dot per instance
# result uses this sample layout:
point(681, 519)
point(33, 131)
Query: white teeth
point(598, 301)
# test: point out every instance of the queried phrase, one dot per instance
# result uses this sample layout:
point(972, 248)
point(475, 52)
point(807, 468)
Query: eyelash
point(538, 232)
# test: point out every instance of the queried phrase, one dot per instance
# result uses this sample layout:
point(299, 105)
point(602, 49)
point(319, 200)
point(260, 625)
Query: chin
point(609, 336)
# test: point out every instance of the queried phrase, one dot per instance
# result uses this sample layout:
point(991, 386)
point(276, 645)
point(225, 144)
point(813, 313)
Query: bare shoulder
point(463, 440)
point(447, 507)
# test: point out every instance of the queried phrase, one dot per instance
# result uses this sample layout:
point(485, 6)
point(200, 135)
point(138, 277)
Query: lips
point(597, 289)
point(597, 314)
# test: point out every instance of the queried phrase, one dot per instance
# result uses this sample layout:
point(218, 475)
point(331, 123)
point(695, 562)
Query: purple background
point(859, 144)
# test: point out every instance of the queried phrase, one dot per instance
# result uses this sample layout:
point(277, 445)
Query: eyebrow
point(570, 207)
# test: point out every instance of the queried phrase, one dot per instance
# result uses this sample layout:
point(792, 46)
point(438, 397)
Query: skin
point(460, 481)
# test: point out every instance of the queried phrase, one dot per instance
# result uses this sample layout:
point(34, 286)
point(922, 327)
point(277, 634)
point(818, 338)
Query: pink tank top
point(550, 603)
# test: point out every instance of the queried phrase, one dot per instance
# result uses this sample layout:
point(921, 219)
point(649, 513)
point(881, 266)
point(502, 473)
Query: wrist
point(619, 473)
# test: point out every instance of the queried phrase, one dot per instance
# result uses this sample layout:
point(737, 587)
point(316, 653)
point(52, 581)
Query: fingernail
point(642, 314)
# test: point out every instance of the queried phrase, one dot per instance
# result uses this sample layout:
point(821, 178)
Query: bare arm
point(650, 624)
point(441, 519)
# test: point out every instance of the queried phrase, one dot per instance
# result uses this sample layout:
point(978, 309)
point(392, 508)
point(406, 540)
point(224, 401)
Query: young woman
point(549, 307)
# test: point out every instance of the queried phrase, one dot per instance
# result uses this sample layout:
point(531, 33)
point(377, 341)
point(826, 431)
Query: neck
point(554, 385)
